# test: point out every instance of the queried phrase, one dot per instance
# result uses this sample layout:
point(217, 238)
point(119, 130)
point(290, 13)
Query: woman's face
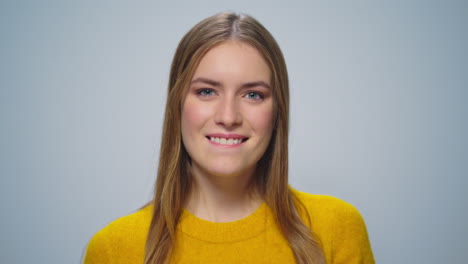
point(227, 114)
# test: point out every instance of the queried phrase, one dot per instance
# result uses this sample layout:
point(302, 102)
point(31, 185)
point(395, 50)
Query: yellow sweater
point(254, 239)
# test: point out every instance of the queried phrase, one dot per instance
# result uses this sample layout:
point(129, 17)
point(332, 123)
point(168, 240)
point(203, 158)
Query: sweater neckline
point(243, 229)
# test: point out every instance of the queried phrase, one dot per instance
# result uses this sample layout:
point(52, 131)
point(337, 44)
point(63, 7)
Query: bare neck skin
point(221, 198)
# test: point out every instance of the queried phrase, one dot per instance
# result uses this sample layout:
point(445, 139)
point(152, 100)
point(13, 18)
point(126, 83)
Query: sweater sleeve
point(351, 242)
point(98, 250)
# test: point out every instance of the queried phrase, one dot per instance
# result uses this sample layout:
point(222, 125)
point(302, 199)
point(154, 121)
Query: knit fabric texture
point(255, 239)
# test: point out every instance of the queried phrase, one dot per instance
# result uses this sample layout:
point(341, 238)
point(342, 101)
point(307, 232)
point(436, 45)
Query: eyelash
point(204, 93)
point(259, 95)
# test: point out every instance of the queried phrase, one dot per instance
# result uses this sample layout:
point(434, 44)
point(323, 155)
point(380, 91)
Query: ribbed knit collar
point(228, 232)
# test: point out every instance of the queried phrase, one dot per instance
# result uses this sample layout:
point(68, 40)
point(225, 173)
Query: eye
point(206, 92)
point(256, 96)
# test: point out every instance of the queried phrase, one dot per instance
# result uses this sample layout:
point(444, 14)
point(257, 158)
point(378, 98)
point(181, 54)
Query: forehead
point(231, 60)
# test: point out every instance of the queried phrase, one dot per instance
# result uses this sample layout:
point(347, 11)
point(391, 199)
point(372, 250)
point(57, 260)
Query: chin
point(229, 171)
point(226, 172)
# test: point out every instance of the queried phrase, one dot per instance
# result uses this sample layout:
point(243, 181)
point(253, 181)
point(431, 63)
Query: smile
point(228, 140)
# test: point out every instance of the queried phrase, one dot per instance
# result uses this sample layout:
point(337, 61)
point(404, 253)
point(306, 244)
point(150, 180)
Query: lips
point(227, 139)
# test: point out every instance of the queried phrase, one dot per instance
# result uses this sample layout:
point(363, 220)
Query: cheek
point(263, 120)
point(193, 117)
point(187, 122)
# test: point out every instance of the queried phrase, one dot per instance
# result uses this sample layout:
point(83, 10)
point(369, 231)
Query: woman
point(222, 193)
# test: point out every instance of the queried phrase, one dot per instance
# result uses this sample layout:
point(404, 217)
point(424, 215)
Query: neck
point(222, 198)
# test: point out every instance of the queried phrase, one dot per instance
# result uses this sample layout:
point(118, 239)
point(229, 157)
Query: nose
point(228, 113)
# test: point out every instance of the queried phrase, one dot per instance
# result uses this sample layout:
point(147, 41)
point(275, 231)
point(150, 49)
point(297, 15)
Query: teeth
point(225, 141)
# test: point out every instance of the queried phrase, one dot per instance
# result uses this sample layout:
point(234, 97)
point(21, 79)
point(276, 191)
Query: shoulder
point(325, 206)
point(127, 233)
point(135, 222)
point(328, 212)
point(339, 226)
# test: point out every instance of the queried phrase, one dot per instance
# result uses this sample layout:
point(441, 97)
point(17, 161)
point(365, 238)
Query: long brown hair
point(271, 179)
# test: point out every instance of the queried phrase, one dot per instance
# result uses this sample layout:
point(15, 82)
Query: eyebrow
point(218, 84)
point(207, 81)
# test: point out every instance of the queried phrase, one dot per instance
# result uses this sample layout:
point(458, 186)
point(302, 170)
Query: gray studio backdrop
point(379, 93)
